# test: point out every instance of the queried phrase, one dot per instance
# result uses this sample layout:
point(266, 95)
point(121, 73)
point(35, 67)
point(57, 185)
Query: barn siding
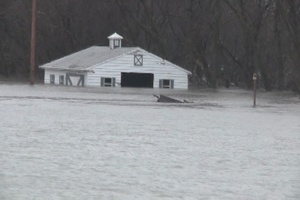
point(57, 73)
point(125, 64)
point(47, 74)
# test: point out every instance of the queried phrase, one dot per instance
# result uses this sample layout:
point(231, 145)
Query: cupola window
point(116, 43)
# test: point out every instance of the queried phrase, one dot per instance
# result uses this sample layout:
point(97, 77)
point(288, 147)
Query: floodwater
point(81, 143)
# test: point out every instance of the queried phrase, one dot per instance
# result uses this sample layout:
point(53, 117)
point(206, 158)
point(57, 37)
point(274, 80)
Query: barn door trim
point(80, 81)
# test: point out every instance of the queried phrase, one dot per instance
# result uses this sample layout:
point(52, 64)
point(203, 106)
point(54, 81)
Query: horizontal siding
point(150, 65)
point(47, 74)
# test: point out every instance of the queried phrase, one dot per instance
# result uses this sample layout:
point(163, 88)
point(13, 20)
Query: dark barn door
point(140, 80)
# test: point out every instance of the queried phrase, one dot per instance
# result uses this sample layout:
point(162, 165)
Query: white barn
point(115, 66)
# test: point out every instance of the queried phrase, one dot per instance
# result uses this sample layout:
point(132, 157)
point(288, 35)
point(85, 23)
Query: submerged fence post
point(254, 89)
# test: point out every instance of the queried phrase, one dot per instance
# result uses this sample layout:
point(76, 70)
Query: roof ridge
point(96, 54)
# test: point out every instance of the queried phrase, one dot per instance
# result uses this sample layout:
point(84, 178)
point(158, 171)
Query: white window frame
point(138, 60)
point(166, 83)
point(61, 79)
point(106, 83)
point(52, 79)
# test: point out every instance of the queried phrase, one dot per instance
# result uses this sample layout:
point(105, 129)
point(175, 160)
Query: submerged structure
point(115, 66)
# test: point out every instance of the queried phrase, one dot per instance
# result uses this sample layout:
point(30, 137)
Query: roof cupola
point(115, 41)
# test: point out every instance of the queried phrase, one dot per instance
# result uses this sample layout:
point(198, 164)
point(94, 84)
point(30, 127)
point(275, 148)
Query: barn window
point(138, 60)
point(61, 79)
point(116, 43)
point(108, 82)
point(166, 83)
point(52, 78)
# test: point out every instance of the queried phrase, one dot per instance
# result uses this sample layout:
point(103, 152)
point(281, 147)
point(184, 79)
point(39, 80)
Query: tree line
point(222, 42)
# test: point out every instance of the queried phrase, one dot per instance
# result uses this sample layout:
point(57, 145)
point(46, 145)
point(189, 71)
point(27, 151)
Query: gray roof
point(82, 60)
point(85, 59)
point(115, 36)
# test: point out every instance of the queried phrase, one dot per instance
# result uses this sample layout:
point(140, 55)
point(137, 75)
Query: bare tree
point(220, 41)
point(291, 17)
point(250, 16)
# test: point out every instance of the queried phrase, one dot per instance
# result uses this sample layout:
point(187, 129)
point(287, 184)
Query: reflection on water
point(93, 143)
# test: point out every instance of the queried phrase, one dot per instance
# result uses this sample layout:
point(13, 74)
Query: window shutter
point(102, 81)
point(52, 78)
point(172, 84)
point(113, 82)
point(160, 83)
point(61, 79)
